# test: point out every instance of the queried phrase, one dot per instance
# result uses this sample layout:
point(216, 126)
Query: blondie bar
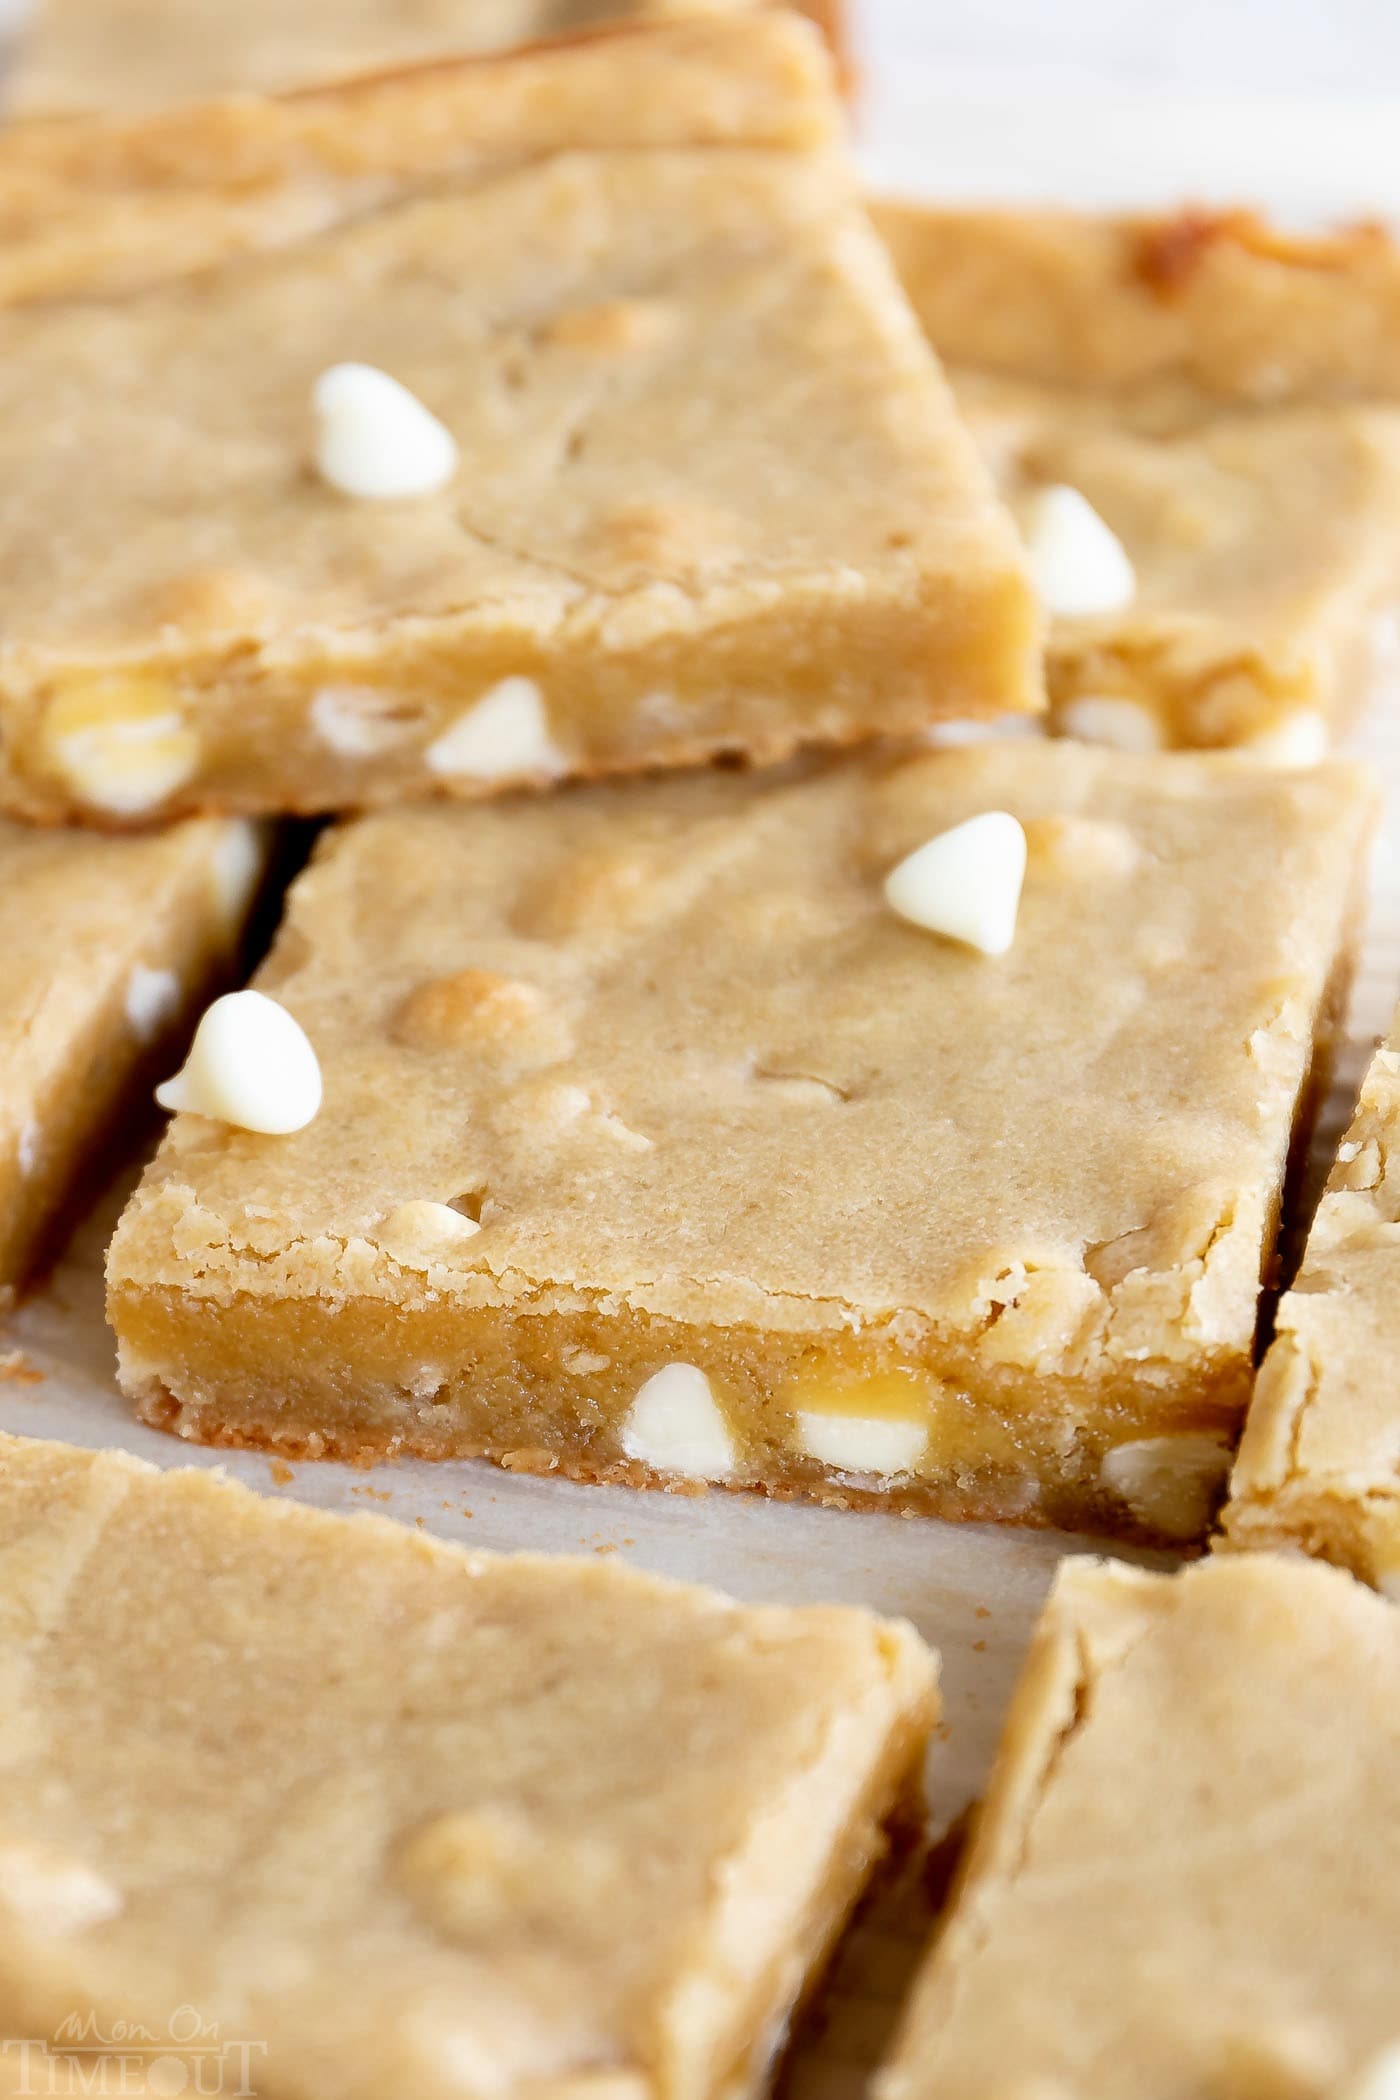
point(110, 947)
point(1319, 1466)
point(657, 1146)
point(1217, 393)
point(1183, 1878)
point(691, 481)
point(108, 55)
point(399, 1818)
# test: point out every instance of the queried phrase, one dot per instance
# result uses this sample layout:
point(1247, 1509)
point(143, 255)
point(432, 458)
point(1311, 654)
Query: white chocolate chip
point(51, 1894)
point(505, 735)
point(359, 721)
point(1170, 1483)
point(953, 736)
point(28, 1149)
point(966, 883)
point(1123, 725)
point(1379, 2078)
point(240, 856)
point(1078, 564)
point(250, 1065)
point(418, 1233)
point(151, 998)
point(1300, 739)
point(375, 439)
point(126, 765)
point(674, 1426)
point(862, 1443)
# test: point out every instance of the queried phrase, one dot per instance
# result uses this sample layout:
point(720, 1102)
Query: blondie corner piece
point(1217, 392)
point(402, 1818)
point(655, 1147)
point(96, 57)
point(109, 946)
point(1319, 1466)
point(1184, 1877)
point(711, 493)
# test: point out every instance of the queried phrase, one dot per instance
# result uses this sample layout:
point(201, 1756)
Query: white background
point(1288, 103)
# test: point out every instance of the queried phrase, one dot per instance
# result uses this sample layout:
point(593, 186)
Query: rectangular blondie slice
point(109, 947)
point(1183, 1877)
point(1319, 1466)
point(1224, 398)
point(656, 1146)
point(90, 56)
point(693, 481)
point(397, 1818)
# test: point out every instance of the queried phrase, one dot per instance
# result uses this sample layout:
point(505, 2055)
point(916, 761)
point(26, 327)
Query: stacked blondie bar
point(830, 920)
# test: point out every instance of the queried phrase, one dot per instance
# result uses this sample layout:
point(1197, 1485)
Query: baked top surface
point(708, 1074)
point(78, 913)
point(659, 370)
point(138, 54)
point(1324, 1424)
point(456, 1822)
point(1193, 307)
point(1198, 1772)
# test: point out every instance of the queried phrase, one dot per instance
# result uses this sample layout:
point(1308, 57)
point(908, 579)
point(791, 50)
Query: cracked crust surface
point(415, 1818)
point(713, 492)
point(1195, 1771)
point(824, 1139)
point(1319, 1465)
point(105, 56)
point(1216, 391)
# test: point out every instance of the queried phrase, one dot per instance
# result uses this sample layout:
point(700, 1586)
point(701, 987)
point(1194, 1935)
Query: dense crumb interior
point(931, 1432)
